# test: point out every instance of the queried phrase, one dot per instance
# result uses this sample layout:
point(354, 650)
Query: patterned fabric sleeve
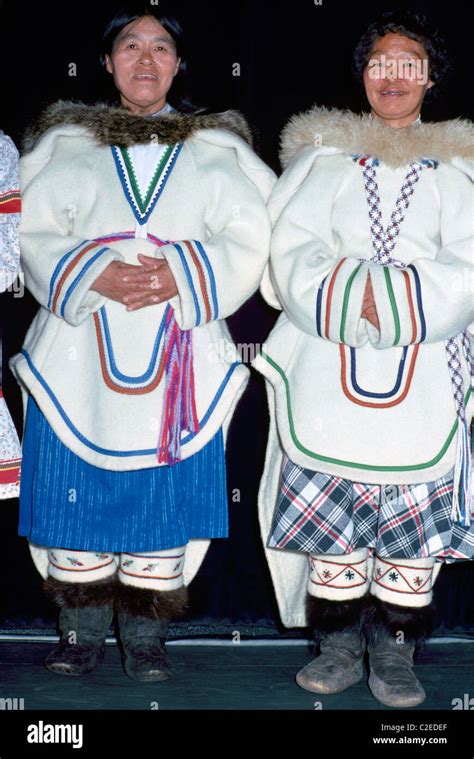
point(10, 205)
point(10, 454)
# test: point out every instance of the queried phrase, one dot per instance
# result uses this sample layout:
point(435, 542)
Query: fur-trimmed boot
point(393, 634)
point(86, 613)
point(143, 617)
point(338, 628)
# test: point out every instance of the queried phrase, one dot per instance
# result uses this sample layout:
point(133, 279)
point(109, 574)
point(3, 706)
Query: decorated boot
point(143, 617)
point(85, 617)
point(393, 634)
point(338, 627)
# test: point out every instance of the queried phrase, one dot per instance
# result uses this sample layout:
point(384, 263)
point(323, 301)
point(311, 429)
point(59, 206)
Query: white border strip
point(213, 641)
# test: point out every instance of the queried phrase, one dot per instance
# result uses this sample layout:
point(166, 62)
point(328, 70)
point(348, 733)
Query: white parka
point(346, 399)
point(97, 371)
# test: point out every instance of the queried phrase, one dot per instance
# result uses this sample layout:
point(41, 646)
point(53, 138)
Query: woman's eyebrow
point(134, 35)
point(404, 52)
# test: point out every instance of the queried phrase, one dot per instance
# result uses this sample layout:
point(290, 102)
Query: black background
point(291, 55)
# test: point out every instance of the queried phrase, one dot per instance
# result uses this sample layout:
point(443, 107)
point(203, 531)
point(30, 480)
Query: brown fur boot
point(337, 627)
point(143, 617)
point(393, 633)
point(86, 614)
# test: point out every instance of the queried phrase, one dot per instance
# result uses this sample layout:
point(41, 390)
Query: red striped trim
point(338, 587)
point(413, 590)
point(68, 270)
point(404, 566)
point(85, 569)
point(405, 592)
point(140, 556)
point(369, 404)
point(8, 462)
point(10, 205)
point(109, 381)
point(149, 576)
point(10, 476)
point(202, 279)
point(329, 296)
point(406, 277)
point(343, 568)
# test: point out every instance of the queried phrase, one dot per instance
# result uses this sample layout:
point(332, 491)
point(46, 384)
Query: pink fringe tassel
point(179, 408)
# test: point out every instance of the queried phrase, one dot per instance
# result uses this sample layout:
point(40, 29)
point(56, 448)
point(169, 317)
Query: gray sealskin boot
point(86, 614)
point(392, 679)
point(143, 648)
point(143, 617)
point(338, 626)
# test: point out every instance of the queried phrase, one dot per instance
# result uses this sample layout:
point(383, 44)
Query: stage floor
point(236, 677)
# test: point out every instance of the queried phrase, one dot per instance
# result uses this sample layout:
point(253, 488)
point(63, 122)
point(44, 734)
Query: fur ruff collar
point(351, 133)
point(110, 125)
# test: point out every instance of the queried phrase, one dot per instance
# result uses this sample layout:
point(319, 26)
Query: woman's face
point(143, 64)
point(396, 79)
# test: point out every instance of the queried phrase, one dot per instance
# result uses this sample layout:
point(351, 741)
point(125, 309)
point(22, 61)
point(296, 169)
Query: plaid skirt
point(323, 514)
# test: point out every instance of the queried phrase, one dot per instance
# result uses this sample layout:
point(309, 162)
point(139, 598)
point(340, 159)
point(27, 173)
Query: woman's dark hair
point(415, 26)
point(179, 96)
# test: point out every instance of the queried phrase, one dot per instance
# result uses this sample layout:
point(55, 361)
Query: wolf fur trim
point(360, 134)
point(74, 595)
point(110, 125)
point(388, 619)
point(325, 617)
point(154, 604)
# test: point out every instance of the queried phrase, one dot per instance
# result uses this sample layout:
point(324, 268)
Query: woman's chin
point(391, 112)
point(143, 105)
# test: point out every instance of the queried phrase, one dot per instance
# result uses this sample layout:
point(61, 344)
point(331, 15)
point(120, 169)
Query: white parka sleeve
point(216, 275)
point(321, 293)
point(431, 300)
point(60, 265)
point(10, 206)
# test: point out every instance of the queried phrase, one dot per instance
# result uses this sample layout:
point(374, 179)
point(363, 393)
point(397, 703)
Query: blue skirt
point(67, 503)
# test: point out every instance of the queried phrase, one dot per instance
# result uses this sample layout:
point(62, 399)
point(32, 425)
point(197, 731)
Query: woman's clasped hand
point(137, 286)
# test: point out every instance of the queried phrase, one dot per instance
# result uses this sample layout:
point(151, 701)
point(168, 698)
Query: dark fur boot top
point(77, 595)
point(154, 604)
point(390, 619)
point(325, 617)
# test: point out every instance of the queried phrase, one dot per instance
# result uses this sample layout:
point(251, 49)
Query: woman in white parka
point(366, 488)
point(143, 229)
